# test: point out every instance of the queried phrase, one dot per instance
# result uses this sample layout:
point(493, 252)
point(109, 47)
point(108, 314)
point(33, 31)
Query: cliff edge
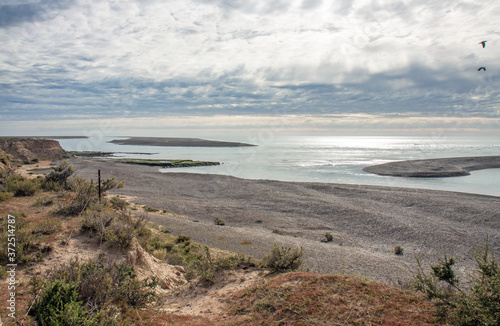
point(28, 149)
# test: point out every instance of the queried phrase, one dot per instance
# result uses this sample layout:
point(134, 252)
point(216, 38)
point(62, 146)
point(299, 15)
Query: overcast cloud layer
point(228, 64)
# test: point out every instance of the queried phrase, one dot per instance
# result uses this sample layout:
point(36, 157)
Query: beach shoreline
point(366, 222)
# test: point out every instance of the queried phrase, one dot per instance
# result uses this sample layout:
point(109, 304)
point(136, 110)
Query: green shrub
point(21, 186)
point(47, 227)
point(149, 209)
point(96, 221)
point(160, 253)
point(87, 294)
point(283, 259)
point(328, 237)
point(205, 266)
point(5, 195)
point(118, 203)
point(58, 178)
point(398, 250)
point(59, 305)
point(119, 235)
point(479, 305)
point(218, 221)
point(182, 239)
point(44, 200)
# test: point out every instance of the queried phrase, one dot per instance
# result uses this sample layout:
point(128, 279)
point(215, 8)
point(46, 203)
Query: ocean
point(334, 159)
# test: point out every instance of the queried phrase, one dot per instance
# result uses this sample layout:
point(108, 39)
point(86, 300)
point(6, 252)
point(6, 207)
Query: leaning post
point(99, 184)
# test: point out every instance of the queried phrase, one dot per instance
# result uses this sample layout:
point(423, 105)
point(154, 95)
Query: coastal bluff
point(435, 168)
point(28, 149)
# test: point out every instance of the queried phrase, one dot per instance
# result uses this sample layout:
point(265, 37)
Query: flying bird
point(481, 68)
point(483, 43)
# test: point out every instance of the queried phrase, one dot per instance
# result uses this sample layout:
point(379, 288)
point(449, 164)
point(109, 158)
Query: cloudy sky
point(172, 67)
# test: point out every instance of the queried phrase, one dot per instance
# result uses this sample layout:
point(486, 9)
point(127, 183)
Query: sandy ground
point(366, 222)
point(442, 167)
point(33, 170)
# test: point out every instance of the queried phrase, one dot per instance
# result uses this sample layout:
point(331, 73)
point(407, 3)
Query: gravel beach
point(366, 222)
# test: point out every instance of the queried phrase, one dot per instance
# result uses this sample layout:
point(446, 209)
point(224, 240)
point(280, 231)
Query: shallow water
point(325, 159)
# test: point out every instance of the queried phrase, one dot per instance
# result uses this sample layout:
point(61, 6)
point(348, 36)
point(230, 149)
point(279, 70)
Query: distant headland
point(433, 168)
point(177, 142)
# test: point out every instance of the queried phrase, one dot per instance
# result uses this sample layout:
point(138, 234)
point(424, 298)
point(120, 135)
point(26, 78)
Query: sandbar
point(435, 168)
point(366, 222)
point(177, 142)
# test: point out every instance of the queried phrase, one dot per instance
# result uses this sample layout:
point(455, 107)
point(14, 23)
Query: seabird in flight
point(481, 68)
point(483, 43)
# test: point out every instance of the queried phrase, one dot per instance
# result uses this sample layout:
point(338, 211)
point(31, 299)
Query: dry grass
point(312, 299)
point(158, 318)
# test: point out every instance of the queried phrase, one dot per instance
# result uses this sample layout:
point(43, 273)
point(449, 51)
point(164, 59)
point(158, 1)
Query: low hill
point(29, 149)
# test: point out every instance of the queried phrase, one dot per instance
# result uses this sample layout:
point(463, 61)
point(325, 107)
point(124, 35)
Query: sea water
point(335, 159)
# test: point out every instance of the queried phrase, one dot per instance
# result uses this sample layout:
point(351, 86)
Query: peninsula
point(176, 142)
point(433, 168)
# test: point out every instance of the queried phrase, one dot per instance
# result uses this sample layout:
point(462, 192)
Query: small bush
point(118, 203)
point(160, 253)
point(44, 200)
point(5, 195)
point(182, 239)
point(21, 186)
point(58, 178)
point(283, 259)
point(95, 221)
point(119, 235)
point(59, 305)
point(218, 221)
point(47, 227)
point(398, 250)
point(149, 209)
point(328, 237)
point(478, 305)
point(85, 294)
point(205, 267)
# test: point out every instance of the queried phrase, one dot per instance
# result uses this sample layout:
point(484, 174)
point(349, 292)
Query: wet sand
point(366, 222)
point(433, 168)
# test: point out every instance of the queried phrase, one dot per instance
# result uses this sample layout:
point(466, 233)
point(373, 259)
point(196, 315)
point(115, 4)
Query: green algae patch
point(168, 163)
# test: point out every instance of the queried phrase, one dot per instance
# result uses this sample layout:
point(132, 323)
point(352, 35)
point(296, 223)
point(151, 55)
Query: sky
point(181, 67)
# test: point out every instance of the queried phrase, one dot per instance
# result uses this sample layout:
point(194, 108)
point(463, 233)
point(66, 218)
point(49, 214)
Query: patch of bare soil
point(199, 299)
point(31, 171)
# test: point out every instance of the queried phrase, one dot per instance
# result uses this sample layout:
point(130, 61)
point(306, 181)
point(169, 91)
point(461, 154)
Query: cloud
point(87, 59)
point(15, 13)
